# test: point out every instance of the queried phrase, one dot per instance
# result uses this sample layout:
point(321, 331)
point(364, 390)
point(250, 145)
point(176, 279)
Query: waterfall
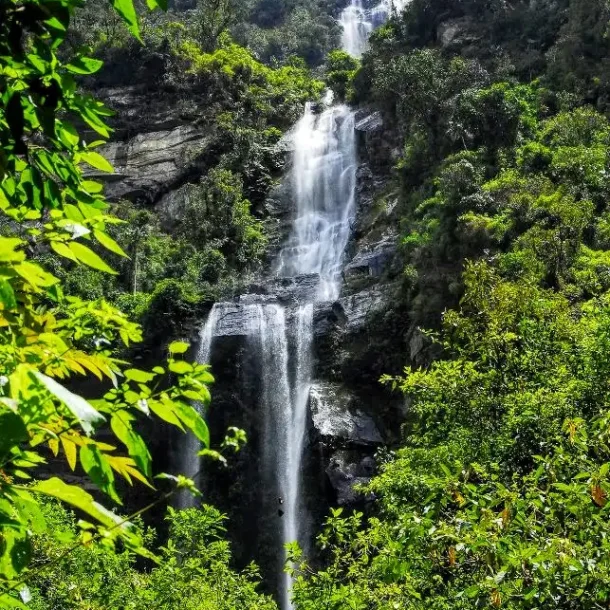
point(324, 180)
point(279, 332)
point(358, 22)
point(356, 28)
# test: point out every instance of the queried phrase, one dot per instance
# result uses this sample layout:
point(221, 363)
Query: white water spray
point(190, 462)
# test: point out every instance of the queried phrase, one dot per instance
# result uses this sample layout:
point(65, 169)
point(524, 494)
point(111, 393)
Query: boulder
point(373, 259)
point(359, 306)
point(347, 470)
point(456, 32)
point(368, 121)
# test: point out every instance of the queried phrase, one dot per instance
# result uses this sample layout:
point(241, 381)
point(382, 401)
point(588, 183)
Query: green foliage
point(279, 30)
point(499, 495)
point(233, 70)
point(193, 572)
point(52, 214)
point(341, 69)
point(216, 214)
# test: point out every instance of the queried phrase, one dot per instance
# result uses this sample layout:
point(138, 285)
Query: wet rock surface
point(372, 260)
point(336, 414)
point(346, 471)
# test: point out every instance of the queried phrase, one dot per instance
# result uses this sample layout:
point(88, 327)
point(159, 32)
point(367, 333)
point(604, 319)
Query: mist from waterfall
point(358, 21)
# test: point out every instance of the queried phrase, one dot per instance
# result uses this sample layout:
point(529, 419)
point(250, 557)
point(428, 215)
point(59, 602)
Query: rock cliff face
point(358, 337)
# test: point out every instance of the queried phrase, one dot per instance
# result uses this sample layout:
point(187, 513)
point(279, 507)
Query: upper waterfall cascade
point(358, 22)
point(280, 335)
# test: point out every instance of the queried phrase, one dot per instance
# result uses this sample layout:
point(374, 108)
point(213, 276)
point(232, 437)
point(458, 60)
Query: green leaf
point(472, 591)
point(136, 447)
point(193, 421)
point(86, 415)
point(98, 469)
point(7, 601)
point(153, 4)
point(127, 11)
point(63, 250)
point(7, 295)
point(96, 160)
point(84, 65)
point(138, 376)
point(178, 347)
point(35, 275)
point(90, 258)
point(180, 367)
point(13, 431)
point(91, 186)
point(8, 250)
point(166, 411)
point(109, 243)
point(67, 134)
point(78, 498)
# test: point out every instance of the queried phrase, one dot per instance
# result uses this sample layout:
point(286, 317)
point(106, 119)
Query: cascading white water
point(324, 181)
point(279, 448)
point(356, 26)
point(358, 22)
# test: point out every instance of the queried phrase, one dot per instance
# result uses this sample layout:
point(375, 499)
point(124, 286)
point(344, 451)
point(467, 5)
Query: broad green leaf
point(8, 250)
point(35, 275)
point(15, 552)
point(193, 421)
point(138, 376)
point(78, 498)
point(7, 295)
point(178, 347)
point(69, 450)
point(67, 134)
point(180, 367)
point(91, 186)
point(109, 243)
point(86, 415)
point(8, 601)
point(63, 250)
point(153, 4)
point(96, 160)
point(90, 258)
point(166, 411)
point(136, 447)
point(84, 65)
point(95, 465)
point(127, 11)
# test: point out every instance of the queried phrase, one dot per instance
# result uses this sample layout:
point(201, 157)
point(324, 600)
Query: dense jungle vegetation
point(497, 116)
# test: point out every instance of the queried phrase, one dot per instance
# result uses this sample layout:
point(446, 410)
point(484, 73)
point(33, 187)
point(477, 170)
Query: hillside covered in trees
point(454, 448)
